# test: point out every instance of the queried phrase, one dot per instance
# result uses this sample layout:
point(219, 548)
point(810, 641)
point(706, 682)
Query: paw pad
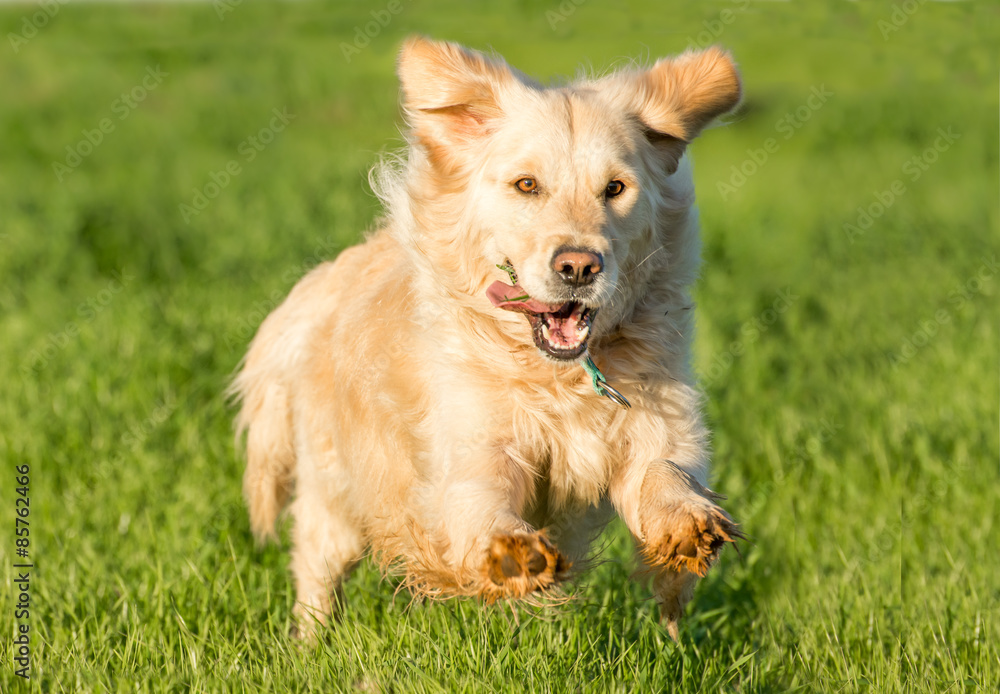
point(691, 538)
point(520, 563)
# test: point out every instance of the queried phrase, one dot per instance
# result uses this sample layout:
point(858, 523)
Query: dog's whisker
point(648, 257)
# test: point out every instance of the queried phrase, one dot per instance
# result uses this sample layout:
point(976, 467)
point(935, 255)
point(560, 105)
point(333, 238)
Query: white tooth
point(545, 333)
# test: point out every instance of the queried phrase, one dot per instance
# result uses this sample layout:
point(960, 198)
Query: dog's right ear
point(450, 96)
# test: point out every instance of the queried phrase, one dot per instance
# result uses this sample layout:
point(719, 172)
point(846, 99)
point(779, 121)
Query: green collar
point(601, 386)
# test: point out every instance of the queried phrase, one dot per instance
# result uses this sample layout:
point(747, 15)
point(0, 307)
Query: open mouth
point(559, 330)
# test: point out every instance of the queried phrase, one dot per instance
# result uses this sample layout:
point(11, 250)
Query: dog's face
point(560, 187)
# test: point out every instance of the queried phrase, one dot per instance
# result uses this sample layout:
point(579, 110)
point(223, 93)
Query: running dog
point(472, 392)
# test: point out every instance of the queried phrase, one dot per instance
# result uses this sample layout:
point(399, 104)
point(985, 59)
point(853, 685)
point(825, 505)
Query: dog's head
point(549, 200)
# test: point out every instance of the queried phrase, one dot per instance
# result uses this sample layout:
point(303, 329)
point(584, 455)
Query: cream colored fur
point(402, 412)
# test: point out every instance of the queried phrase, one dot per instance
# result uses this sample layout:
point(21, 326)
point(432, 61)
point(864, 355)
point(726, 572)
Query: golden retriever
point(435, 395)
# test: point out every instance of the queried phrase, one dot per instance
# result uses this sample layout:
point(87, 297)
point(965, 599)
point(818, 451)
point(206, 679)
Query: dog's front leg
point(679, 527)
point(475, 508)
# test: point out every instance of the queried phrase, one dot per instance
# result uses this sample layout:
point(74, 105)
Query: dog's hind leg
point(326, 545)
point(672, 591)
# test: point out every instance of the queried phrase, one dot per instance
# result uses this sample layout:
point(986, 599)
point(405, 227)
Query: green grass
point(867, 481)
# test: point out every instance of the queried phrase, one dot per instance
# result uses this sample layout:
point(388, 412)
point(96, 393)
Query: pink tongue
point(516, 299)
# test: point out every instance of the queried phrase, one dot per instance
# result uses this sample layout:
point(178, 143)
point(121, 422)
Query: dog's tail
point(265, 417)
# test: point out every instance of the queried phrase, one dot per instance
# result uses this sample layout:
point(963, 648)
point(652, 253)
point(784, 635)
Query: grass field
point(850, 356)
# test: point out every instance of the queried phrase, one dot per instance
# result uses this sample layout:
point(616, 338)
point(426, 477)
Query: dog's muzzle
point(560, 330)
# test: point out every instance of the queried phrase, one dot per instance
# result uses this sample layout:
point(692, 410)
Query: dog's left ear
point(450, 96)
point(677, 97)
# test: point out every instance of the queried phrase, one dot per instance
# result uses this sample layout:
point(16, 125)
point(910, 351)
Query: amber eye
point(614, 189)
point(527, 185)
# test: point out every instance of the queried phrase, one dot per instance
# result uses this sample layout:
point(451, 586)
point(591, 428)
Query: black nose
point(577, 266)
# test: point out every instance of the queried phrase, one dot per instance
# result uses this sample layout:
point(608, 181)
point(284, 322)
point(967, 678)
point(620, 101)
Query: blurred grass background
point(851, 377)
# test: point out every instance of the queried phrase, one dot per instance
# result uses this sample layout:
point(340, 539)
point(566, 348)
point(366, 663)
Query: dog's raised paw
point(519, 563)
point(690, 537)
